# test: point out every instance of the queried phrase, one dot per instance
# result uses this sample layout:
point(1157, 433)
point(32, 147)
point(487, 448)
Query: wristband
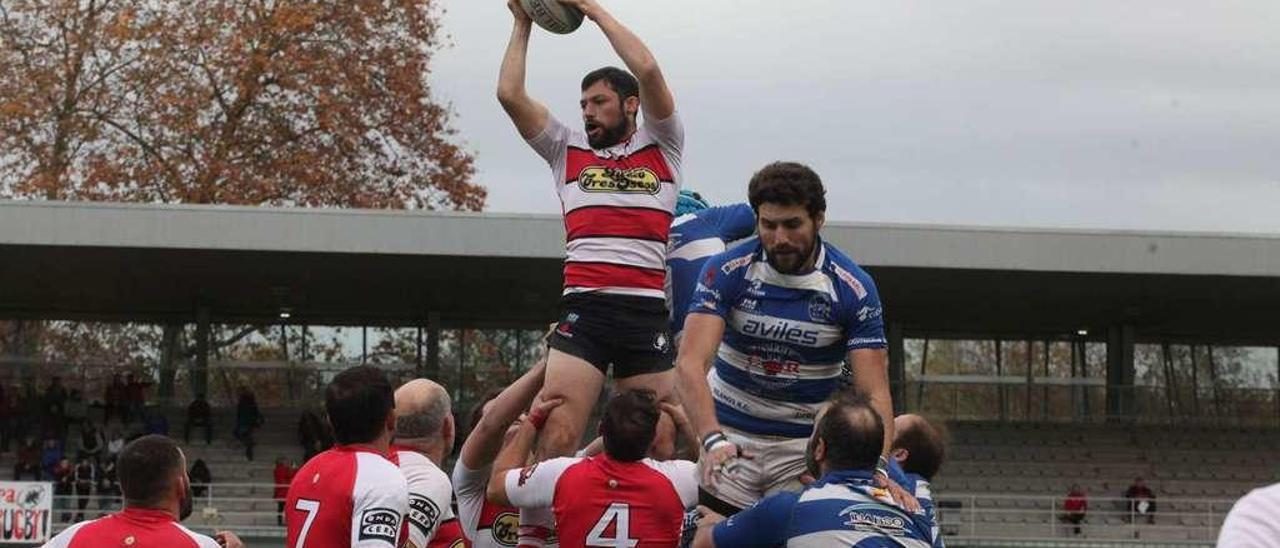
point(882, 466)
point(713, 440)
point(538, 418)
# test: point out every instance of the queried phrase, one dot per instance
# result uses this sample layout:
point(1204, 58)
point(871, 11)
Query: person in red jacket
point(1074, 507)
point(283, 474)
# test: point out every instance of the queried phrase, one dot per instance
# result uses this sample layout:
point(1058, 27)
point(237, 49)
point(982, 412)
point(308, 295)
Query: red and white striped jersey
point(599, 501)
point(618, 204)
point(133, 527)
point(347, 496)
point(485, 524)
point(430, 521)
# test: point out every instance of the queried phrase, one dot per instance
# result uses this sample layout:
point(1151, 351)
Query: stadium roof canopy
point(156, 263)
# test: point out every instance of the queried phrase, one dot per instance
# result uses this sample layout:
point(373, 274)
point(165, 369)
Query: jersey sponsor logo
point(756, 288)
point(735, 264)
point(423, 513)
point(379, 524)
point(775, 365)
point(820, 307)
point(637, 180)
point(866, 340)
point(869, 313)
point(780, 330)
point(863, 517)
point(506, 529)
point(749, 304)
point(703, 289)
point(848, 279)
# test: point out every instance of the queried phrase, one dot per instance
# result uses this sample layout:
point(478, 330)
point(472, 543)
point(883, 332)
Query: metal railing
point(250, 508)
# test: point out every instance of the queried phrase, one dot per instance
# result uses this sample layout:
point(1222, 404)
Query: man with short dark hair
point(842, 508)
point(424, 437)
point(771, 325)
point(617, 498)
point(157, 495)
point(617, 180)
point(351, 495)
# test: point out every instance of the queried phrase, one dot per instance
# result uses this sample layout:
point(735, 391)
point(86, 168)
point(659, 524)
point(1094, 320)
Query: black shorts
point(627, 332)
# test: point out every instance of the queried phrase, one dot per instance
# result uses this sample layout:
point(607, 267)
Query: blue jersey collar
point(854, 477)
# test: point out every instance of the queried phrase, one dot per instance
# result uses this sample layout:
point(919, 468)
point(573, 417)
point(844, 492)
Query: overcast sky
point(1142, 114)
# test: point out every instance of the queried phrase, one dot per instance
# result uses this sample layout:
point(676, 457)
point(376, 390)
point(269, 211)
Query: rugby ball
point(552, 15)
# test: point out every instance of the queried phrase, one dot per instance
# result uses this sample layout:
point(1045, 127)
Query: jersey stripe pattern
point(599, 501)
point(617, 205)
point(696, 237)
point(786, 336)
point(140, 527)
point(347, 496)
point(842, 509)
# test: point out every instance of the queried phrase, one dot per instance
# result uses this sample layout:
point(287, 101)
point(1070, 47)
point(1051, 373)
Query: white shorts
point(777, 466)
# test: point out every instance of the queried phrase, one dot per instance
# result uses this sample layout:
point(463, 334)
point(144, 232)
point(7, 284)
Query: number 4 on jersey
point(619, 514)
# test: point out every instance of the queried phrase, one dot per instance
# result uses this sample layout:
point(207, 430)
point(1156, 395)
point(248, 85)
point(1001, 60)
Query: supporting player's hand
point(544, 407)
point(227, 539)
point(518, 12)
point(720, 460)
point(676, 411)
point(708, 517)
point(899, 494)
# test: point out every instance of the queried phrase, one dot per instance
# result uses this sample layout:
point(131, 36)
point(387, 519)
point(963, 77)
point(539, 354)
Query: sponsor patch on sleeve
point(423, 513)
point(379, 524)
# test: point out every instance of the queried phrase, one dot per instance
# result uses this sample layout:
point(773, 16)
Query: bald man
point(424, 436)
point(919, 449)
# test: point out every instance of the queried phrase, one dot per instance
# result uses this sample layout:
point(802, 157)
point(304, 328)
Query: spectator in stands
point(313, 433)
point(199, 414)
point(248, 419)
point(108, 486)
point(115, 443)
point(84, 476)
point(135, 395)
point(54, 403)
point(92, 444)
point(200, 478)
point(63, 475)
point(77, 411)
point(51, 455)
point(154, 421)
point(283, 475)
point(28, 460)
point(1142, 502)
point(113, 400)
point(919, 448)
point(1074, 507)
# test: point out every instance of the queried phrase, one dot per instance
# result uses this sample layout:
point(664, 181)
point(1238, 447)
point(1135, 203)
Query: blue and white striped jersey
point(844, 508)
point(786, 336)
point(694, 238)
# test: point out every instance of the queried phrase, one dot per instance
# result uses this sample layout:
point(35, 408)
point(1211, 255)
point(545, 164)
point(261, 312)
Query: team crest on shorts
point(660, 342)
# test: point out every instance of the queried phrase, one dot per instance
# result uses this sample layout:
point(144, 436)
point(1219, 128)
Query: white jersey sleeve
point(669, 134)
point(552, 145)
point(430, 496)
point(684, 477)
point(534, 486)
point(379, 501)
point(63, 539)
point(1252, 521)
point(203, 541)
point(469, 486)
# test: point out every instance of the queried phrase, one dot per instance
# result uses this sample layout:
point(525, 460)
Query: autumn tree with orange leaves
point(272, 102)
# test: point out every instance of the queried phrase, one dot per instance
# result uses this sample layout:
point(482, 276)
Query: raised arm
point(529, 116)
point(655, 97)
point(482, 445)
